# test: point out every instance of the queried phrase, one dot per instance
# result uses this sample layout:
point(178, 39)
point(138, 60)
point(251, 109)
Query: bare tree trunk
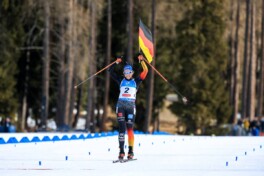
point(24, 100)
point(61, 76)
point(149, 109)
point(88, 118)
point(261, 78)
point(108, 56)
point(61, 72)
point(93, 52)
point(246, 65)
point(236, 66)
point(46, 68)
point(231, 57)
point(72, 106)
point(22, 114)
point(70, 66)
point(130, 32)
point(74, 55)
point(92, 68)
point(79, 97)
point(252, 72)
point(157, 122)
point(78, 54)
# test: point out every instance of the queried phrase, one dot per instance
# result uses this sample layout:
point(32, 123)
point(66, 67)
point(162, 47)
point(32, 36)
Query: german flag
point(146, 41)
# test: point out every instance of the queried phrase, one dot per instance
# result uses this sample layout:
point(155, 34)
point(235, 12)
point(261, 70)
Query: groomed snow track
point(161, 154)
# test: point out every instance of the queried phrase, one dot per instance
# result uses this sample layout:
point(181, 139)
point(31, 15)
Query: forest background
point(210, 50)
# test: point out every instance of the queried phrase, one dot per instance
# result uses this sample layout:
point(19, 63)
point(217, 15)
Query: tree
point(244, 111)
point(231, 54)
point(79, 11)
point(60, 103)
point(252, 64)
point(236, 67)
point(261, 78)
point(130, 31)
point(60, 52)
point(70, 64)
point(11, 38)
point(150, 92)
point(46, 68)
point(92, 69)
point(108, 56)
point(202, 54)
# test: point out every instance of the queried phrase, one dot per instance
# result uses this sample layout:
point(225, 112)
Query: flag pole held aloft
point(146, 41)
point(147, 47)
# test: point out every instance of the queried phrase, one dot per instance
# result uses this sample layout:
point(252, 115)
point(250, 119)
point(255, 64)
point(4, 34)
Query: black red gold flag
point(146, 41)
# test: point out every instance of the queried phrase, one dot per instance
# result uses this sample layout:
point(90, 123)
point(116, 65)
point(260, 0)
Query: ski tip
point(124, 160)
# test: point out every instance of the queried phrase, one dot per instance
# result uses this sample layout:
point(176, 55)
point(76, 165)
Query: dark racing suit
point(125, 107)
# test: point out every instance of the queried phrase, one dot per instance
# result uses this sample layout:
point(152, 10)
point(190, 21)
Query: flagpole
point(147, 47)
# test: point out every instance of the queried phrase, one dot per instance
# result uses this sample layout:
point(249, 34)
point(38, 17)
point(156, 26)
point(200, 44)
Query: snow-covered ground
point(158, 155)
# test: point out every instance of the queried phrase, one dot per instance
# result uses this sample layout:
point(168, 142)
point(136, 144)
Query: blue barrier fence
point(25, 139)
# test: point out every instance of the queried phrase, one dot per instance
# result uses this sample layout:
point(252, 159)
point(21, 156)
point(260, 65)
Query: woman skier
point(125, 107)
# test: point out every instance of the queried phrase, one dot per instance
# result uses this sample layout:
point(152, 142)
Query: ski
point(124, 160)
point(117, 161)
point(128, 160)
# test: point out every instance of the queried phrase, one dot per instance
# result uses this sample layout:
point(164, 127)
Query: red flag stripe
point(146, 31)
point(144, 48)
point(146, 42)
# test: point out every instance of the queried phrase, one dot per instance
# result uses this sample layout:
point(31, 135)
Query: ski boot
point(121, 155)
point(130, 154)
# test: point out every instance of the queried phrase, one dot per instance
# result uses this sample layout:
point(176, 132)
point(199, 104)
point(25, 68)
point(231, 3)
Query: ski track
point(156, 155)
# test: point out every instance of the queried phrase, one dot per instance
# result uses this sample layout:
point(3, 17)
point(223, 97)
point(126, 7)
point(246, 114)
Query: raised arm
point(144, 73)
point(113, 74)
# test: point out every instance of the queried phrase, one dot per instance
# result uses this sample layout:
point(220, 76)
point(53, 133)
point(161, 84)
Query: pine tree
point(11, 38)
point(202, 58)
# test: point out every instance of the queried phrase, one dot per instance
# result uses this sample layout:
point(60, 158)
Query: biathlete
point(125, 107)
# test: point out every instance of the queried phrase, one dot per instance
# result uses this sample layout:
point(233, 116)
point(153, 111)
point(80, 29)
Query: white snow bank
point(158, 155)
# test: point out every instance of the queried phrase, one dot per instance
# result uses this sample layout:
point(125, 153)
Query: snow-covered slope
point(158, 155)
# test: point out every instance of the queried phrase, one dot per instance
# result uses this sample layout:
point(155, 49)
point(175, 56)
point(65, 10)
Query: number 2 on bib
point(126, 90)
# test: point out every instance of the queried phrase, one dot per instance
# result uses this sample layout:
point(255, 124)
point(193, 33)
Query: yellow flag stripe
point(145, 50)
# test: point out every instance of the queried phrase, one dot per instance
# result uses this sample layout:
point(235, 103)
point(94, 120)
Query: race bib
point(128, 90)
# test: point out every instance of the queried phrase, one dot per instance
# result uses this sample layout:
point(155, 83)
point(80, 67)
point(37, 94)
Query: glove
point(184, 100)
point(140, 58)
point(118, 60)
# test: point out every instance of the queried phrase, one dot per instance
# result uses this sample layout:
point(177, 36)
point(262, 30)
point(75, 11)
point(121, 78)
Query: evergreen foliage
point(10, 39)
point(191, 52)
point(202, 58)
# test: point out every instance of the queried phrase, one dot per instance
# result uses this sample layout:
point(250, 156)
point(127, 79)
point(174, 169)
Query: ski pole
point(94, 74)
point(184, 99)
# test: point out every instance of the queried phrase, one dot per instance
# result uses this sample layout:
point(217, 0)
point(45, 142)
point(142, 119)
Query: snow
point(157, 155)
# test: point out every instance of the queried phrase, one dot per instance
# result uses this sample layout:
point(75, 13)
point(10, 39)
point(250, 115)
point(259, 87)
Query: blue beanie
point(128, 67)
